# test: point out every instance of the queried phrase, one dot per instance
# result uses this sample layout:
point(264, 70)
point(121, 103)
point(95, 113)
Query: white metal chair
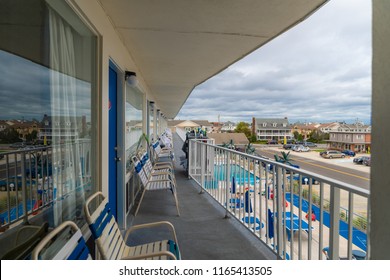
point(112, 245)
point(65, 242)
point(150, 182)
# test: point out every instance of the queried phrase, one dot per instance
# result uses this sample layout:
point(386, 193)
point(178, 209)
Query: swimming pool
point(241, 176)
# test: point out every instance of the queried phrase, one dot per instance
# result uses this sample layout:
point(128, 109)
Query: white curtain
point(65, 153)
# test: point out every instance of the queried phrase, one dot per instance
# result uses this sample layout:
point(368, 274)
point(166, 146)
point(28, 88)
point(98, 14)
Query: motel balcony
point(230, 204)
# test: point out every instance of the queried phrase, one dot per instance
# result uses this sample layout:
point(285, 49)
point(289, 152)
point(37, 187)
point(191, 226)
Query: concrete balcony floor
point(202, 230)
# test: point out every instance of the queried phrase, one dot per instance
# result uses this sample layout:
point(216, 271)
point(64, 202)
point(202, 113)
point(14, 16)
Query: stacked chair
point(159, 176)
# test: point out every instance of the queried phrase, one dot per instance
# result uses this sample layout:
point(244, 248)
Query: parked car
point(349, 153)
point(332, 154)
point(367, 162)
point(301, 148)
point(272, 142)
point(288, 146)
point(360, 160)
point(309, 144)
point(17, 145)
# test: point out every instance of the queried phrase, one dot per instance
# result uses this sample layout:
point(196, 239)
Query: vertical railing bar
point(249, 195)
point(227, 177)
point(368, 232)
point(241, 184)
point(283, 209)
point(334, 222)
point(258, 167)
point(292, 211)
point(300, 218)
point(24, 190)
point(274, 201)
point(16, 186)
point(278, 192)
point(8, 190)
point(350, 224)
point(189, 159)
point(309, 213)
point(256, 216)
point(202, 167)
point(321, 221)
point(266, 186)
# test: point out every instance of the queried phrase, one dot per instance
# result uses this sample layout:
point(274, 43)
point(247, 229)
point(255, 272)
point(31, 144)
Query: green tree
point(285, 158)
point(243, 127)
point(9, 135)
point(31, 137)
point(229, 145)
point(249, 149)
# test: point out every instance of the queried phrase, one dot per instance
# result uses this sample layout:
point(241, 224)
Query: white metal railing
point(35, 178)
point(259, 193)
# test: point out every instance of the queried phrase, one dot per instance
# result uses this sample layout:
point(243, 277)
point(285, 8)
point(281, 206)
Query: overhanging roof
point(178, 44)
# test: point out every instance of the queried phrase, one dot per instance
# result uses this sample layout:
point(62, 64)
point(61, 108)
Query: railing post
point(202, 166)
point(334, 223)
point(24, 190)
point(189, 160)
point(278, 192)
point(227, 184)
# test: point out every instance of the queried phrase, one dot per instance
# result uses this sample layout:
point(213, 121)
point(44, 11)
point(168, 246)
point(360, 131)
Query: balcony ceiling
point(178, 44)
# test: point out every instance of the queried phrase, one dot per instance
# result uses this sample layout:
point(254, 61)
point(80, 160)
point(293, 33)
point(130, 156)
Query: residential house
point(327, 127)
point(62, 128)
point(355, 137)
point(271, 129)
point(304, 129)
point(228, 126)
point(216, 127)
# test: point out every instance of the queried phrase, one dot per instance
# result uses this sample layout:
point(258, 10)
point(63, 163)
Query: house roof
point(220, 138)
point(272, 123)
point(202, 122)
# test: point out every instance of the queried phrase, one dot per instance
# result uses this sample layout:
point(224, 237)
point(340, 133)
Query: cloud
point(318, 71)
point(26, 91)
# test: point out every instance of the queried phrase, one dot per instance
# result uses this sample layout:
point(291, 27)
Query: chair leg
point(139, 203)
point(177, 203)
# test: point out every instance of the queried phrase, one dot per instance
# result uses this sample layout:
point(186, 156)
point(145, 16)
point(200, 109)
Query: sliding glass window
point(48, 107)
point(133, 123)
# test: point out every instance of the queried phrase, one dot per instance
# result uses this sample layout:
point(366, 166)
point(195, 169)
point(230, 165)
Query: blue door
point(112, 141)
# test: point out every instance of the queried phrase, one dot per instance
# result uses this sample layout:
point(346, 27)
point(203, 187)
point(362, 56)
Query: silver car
point(301, 148)
point(332, 154)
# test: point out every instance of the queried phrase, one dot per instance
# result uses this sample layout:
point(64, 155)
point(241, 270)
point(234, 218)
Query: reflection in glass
point(47, 93)
point(134, 99)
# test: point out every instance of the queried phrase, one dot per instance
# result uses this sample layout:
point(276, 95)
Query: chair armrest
point(151, 255)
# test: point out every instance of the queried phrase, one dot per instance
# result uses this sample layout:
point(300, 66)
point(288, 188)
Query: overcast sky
point(318, 71)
